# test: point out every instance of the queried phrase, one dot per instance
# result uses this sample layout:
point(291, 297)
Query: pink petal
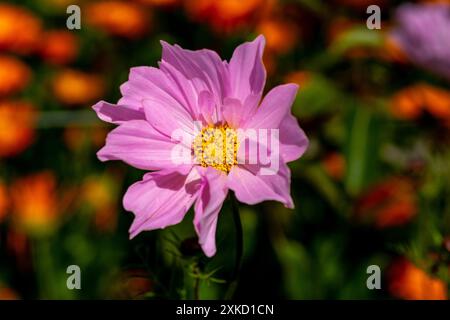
point(208, 110)
point(137, 143)
point(149, 83)
point(232, 111)
point(185, 87)
point(212, 194)
point(204, 67)
point(274, 108)
point(293, 141)
point(168, 118)
point(251, 187)
point(247, 72)
point(160, 199)
point(117, 114)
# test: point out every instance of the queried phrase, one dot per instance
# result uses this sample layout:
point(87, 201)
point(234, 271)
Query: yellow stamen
point(216, 147)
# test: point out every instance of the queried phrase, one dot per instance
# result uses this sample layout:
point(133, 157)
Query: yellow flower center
point(216, 147)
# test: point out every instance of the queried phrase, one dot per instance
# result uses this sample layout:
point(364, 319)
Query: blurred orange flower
point(14, 75)
point(20, 29)
point(224, 16)
point(35, 203)
point(77, 137)
point(19, 247)
point(392, 51)
point(100, 193)
point(16, 127)
point(389, 203)
point(334, 165)
point(406, 281)
point(61, 4)
point(160, 3)
point(361, 4)
point(412, 101)
point(299, 77)
point(4, 201)
point(59, 47)
point(74, 87)
point(8, 293)
point(281, 35)
point(120, 18)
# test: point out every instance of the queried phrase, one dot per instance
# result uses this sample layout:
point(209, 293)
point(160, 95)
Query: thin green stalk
point(233, 281)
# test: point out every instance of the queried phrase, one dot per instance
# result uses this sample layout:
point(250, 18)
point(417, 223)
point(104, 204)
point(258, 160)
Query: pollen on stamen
point(216, 146)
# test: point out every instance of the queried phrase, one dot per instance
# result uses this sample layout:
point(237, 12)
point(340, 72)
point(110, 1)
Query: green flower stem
point(239, 248)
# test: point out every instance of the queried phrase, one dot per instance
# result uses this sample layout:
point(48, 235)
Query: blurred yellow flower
point(20, 29)
point(35, 203)
point(411, 102)
point(74, 87)
point(59, 47)
point(406, 281)
point(14, 75)
point(16, 127)
point(120, 18)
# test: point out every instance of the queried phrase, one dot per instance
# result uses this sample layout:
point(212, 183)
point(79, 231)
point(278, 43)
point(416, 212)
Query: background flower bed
point(373, 188)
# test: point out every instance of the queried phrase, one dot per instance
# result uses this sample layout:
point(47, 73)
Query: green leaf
point(361, 149)
point(356, 37)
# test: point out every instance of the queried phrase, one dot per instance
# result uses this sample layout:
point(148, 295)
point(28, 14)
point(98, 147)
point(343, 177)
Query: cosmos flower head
point(200, 125)
point(423, 33)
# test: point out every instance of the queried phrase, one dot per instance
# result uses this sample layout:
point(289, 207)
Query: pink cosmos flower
point(209, 100)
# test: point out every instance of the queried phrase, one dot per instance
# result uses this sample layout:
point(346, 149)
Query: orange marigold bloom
point(411, 102)
point(16, 127)
point(3, 201)
point(406, 281)
point(224, 16)
point(14, 75)
point(119, 18)
point(19, 29)
point(281, 36)
point(74, 87)
point(390, 203)
point(59, 47)
point(34, 203)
